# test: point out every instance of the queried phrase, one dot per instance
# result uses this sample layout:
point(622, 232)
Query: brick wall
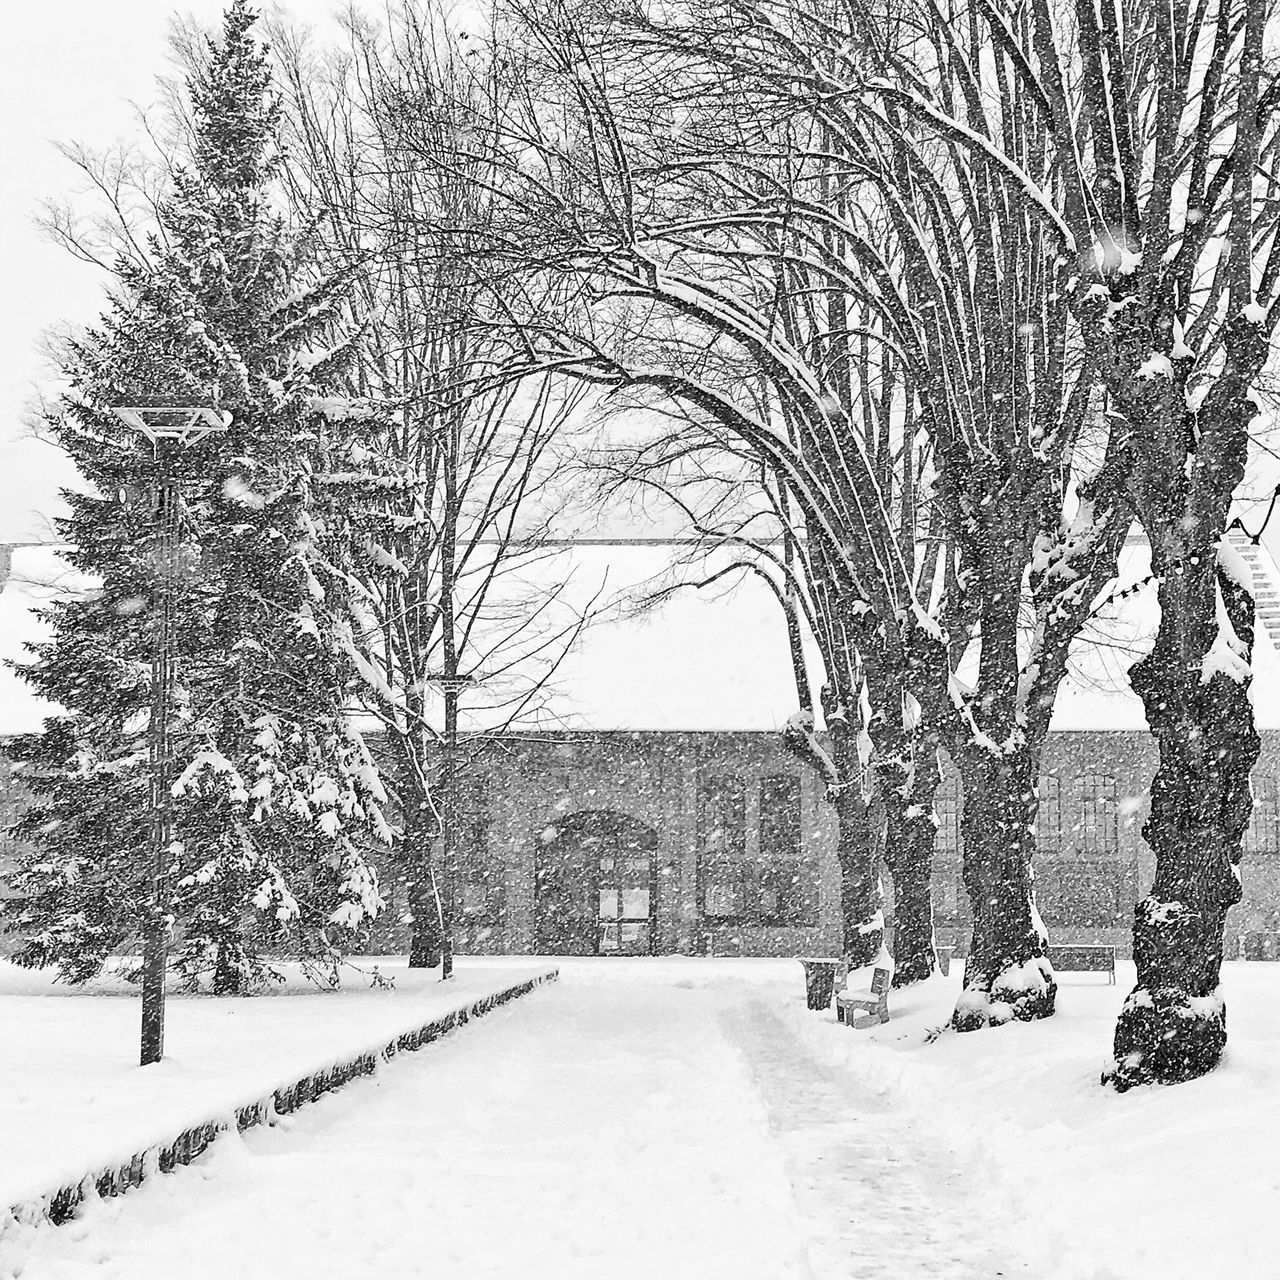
point(1091, 866)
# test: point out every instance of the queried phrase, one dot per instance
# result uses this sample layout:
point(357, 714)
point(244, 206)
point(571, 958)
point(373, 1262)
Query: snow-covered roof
point(714, 658)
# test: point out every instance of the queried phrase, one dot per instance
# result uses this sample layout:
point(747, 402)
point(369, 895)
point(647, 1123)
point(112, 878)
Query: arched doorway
point(595, 885)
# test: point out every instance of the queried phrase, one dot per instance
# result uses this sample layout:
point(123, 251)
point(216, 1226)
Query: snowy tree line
point(924, 306)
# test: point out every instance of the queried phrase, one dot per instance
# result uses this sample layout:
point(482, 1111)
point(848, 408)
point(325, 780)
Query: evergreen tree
point(276, 795)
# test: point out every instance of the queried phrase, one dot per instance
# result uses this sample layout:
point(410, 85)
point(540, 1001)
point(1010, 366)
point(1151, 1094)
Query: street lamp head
point(159, 418)
point(448, 683)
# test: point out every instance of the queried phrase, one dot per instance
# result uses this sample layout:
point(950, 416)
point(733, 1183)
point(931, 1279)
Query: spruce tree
point(276, 795)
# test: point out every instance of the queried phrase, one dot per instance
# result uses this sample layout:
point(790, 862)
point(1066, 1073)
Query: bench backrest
point(1090, 959)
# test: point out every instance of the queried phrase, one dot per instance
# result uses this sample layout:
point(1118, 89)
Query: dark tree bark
point(861, 916)
point(909, 780)
point(1173, 1025)
point(1194, 687)
point(1008, 975)
point(859, 883)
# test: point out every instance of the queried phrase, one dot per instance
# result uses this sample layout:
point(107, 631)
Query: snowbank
point(1169, 1182)
point(73, 1102)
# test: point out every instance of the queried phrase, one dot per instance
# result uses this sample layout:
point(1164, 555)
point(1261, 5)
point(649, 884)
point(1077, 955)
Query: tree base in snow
point(425, 959)
point(915, 967)
point(1166, 1037)
point(1022, 994)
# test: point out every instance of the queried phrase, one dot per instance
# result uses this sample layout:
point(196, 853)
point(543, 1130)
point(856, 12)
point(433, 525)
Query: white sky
point(69, 70)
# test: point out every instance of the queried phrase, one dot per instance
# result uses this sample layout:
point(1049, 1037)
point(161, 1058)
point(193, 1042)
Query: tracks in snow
point(877, 1195)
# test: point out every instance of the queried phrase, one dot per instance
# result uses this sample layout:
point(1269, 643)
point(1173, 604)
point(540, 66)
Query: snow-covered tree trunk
point(1008, 974)
point(861, 909)
point(1194, 686)
point(1173, 1025)
point(840, 767)
point(911, 826)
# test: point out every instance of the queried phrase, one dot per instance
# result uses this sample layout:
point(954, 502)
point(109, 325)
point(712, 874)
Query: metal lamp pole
point(168, 426)
point(451, 686)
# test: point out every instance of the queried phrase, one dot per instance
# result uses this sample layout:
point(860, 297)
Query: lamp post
point(451, 686)
point(168, 425)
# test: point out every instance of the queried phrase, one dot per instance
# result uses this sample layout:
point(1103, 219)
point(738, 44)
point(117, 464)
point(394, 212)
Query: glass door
point(626, 904)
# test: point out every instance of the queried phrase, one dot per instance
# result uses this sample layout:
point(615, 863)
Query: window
point(948, 805)
point(787, 880)
point(780, 817)
point(1049, 815)
point(1263, 835)
point(723, 820)
point(1095, 828)
point(722, 830)
point(478, 886)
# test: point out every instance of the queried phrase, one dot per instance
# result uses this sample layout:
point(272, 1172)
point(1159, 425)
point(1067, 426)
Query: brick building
point(713, 843)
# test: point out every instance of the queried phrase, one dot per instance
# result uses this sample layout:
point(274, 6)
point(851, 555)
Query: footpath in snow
point(690, 1120)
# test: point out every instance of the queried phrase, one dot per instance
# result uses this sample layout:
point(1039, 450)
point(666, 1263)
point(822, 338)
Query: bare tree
point(723, 184)
point(449, 445)
point(1158, 194)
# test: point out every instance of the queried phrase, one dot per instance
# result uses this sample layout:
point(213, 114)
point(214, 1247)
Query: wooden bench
point(874, 1003)
point(1084, 958)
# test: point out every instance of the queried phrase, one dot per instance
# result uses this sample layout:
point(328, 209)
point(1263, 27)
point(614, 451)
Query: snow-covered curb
point(59, 1205)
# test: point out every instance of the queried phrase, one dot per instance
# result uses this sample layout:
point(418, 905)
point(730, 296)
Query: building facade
point(705, 843)
point(672, 821)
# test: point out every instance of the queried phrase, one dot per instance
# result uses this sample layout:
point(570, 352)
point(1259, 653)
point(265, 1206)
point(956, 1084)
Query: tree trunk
point(427, 937)
point(860, 909)
point(912, 827)
point(861, 917)
point(448, 817)
point(1008, 974)
point(1173, 1024)
point(1194, 687)
point(861, 902)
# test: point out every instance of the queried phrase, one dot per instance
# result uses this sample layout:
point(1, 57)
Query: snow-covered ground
point(73, 1099)
point(690, 1119)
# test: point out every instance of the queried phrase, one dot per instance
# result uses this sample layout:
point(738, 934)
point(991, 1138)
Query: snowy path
point(642, 1126)
point(869, 1184)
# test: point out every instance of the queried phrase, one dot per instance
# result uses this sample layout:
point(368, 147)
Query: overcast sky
point(69, 70)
